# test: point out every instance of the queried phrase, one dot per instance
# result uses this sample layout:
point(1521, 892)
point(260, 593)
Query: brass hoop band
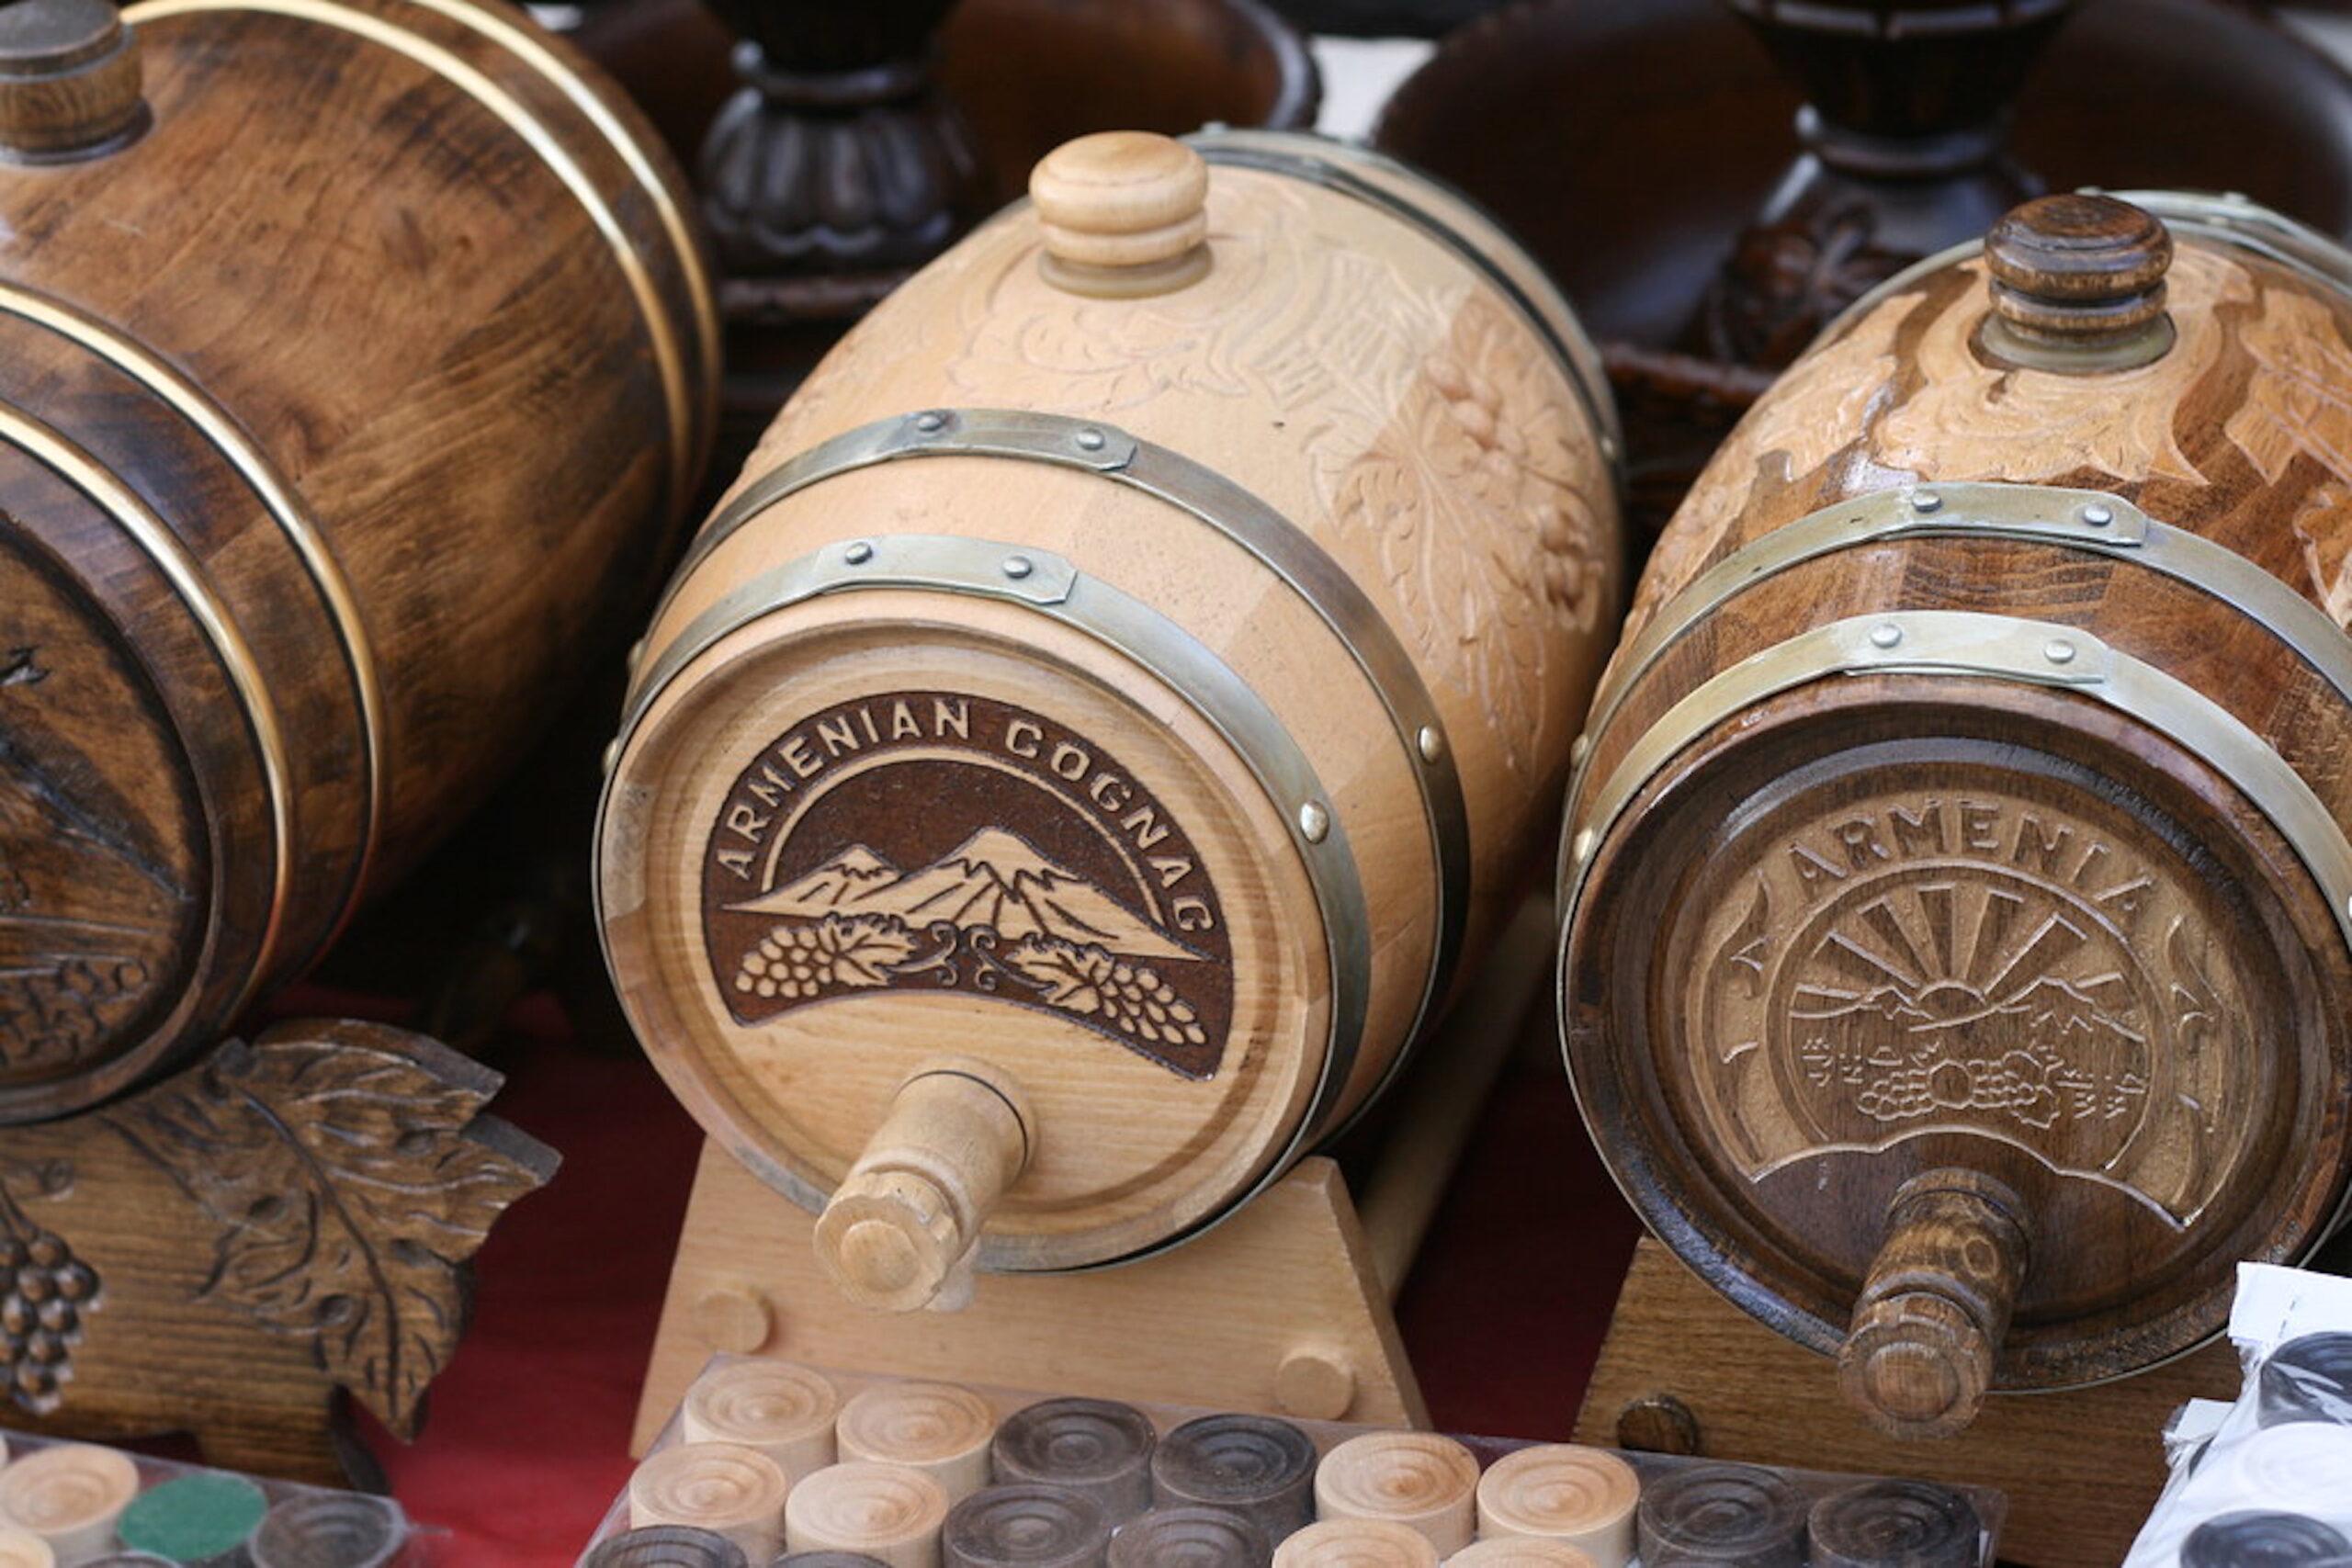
point(1049, 585)
point(189, 580)
point(685, 444)
point(1277, 543)
point(220, 429)
point(2086, 520)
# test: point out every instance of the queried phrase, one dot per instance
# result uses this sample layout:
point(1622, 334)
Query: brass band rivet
point(1090, 440)
point(1580, 750)
point(1926, 502)
point(1314, 822)
point(858, 553)
point(2058, 651)
point(1431, 743)
point(1018, 567)
point(930, 421)
point(1582, 848)
point(1886, 634)
point(2097, 515)
point(636, 655)
point(612, 753)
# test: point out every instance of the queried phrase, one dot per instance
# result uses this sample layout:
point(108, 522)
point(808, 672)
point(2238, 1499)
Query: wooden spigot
point(1123, 214)
point(1919, 1355)
point(69, 81)
point(2079, 285)
point(899, 1231)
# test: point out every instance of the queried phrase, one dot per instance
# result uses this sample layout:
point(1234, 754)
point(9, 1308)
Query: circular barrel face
point(104, 862)
point(839, 853)
point(1966, 925)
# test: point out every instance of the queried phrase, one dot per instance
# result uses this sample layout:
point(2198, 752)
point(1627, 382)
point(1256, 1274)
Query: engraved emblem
point(946, 843)
point(1973, 964)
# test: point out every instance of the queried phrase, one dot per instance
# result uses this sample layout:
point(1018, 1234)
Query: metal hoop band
point(1478, 239)
point(1051, 586)
point(189, 580)
point(1280, 545)
point(1951, 642)
point(2087, 520)
point(220, 429)
point(534, 133)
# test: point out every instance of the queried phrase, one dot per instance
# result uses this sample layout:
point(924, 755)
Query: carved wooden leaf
point(351, 1177)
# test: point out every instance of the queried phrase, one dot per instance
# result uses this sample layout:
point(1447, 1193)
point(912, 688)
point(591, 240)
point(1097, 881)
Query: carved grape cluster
point(44, 1290)
point(1131, 998)
point(797, 961)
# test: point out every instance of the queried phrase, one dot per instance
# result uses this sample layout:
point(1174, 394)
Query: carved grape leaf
point(1072, 976)
point(864, 949)
point(350, 1177)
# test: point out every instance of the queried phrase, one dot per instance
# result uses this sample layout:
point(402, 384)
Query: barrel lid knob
point(1123, 214)
point(2078, 284)
point(69, 81)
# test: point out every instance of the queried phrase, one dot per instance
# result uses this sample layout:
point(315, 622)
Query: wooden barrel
point(1955, 959)
point(1083, 747)
point(351, 353)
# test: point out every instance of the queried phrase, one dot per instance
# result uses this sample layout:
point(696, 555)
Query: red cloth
point(528, 1442)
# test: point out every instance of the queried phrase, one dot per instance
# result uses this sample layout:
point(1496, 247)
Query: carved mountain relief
point(954, 846)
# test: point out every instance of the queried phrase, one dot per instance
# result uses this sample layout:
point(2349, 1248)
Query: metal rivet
point(1927, 501)
point(1580, 750)
point(1581, 848)
point(636, 655)
point(1886, 634)
point(1431, 743)
point(1314, 822)
point(612, 754)
point(2058, 651)
point(2097, 516)
point(932, 421)
point(858, 553)
point(1018, 567)
point(1089, 439)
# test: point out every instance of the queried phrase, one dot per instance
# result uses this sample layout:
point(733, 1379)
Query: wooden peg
point(70, 1496)
point(1913, 1523)
point(735, 1319)
point(1189, 1538)
point(1918, 1356)
point(1729, 1514)
point(1123, 214)
point(1255, 1466)
point(935, 1427)
point(887, 1511)
point(1097, 1448)
point(724, 1488)
point(1520, 1551)
point(899, 1232)
point(1315, 1385)
point(782, 1410)
point(22, 1549)
point(2078, 285)
point(69, 81)
point(1024, 1524)
point(1357, 1543)
point(1585, 1497)
point(1421, 1480)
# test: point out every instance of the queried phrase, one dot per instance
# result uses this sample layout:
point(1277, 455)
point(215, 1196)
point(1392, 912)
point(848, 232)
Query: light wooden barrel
point(352, 354)
point(1086, 744)
point(1956, 960)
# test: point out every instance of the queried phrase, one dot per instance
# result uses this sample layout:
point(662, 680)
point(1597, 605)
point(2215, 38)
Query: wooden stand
point(248, 1245)
point(1685, 1372)
point(1279, 1310)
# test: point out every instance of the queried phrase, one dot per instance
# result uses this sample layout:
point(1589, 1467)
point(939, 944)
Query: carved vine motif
point(1459, 468)
point(46, 1290)
point(348, 1181)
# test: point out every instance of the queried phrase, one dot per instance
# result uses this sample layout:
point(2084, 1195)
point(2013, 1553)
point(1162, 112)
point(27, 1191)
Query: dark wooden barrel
point(1956, 960)
point(351, 356)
